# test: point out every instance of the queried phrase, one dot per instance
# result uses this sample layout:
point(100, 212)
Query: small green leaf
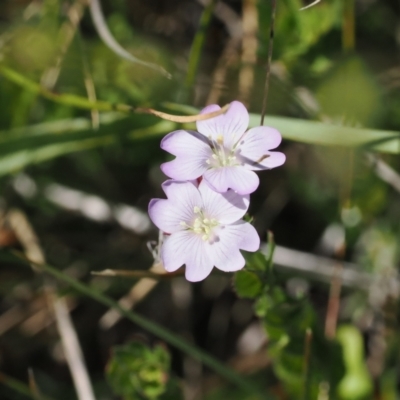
point(137, 371)
point(270, 250)
point(247, 284)
point(256, 261)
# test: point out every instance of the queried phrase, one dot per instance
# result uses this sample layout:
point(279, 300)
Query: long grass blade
point(164, 334)
point(109, 40)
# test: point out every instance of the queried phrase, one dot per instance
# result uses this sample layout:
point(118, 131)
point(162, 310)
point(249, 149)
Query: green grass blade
point(36, 144)
point(19, 387)
point(319, 133)
point(164, 334)
point(198, 43)
point(65, 99)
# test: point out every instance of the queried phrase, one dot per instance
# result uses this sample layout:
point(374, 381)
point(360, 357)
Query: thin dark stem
point(268, 68)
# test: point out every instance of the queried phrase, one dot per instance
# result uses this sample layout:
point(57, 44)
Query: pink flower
point(222, 151)
point(205, 229)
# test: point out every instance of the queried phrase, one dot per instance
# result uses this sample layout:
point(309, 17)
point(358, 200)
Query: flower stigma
point(222, 156)
point(202, 225)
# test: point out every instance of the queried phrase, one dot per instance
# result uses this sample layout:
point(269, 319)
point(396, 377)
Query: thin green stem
point(198, 43)
point(152, 327)
point(348, 30)
point(86, 104)
point(66, 99)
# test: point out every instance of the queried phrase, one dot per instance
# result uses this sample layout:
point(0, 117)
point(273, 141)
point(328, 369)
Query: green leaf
point(137, 371)
point(256, 261)
point(247, 284)
point(270, 251)
point(329, 134)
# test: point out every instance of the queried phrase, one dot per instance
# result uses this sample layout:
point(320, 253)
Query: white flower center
point(202, 225)
point(222, 156)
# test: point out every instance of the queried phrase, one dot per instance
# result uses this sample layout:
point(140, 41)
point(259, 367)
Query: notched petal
point(173, 251)
point(237, 178)
point(184, 142)
point(230, 125)
point(226, 207)
point(165, 216)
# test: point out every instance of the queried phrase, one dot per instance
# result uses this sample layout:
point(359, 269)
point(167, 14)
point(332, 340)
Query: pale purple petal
point(206, 110)
point(192, 152)
point(224, 252)
point(260, 139)
point(182, 192)
point(182, 198)
point(250, 239)
point(174, 250)
point(167, 217)
point(198, 262)
point(183, 142)
point(225, 207)
point(230, 125)
point(236, 178)
point(184, 168)
point(254, 149)
point(187, 248)
point(275, 159)
point(270, 159)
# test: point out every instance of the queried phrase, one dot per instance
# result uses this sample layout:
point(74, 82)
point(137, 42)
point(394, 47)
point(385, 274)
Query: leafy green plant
point(136, 371)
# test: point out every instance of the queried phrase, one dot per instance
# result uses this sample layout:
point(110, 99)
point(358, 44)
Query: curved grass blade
point(86, 104)
point(17, 153)
point(109, 40)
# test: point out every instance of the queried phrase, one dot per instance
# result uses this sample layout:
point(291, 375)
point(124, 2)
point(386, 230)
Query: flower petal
point(166, 216)
point(230, 125)
point(174, 250)
point(225, 253)
point(192, 152)
point(275, 159)
point(250, 239)
point(183, 142)
point(253, 149)
point(259, 139)
point(225, 256)
point(184, 168)
point(225, 207)
point(198, 262)
point(237, 178)
point(185, 192)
